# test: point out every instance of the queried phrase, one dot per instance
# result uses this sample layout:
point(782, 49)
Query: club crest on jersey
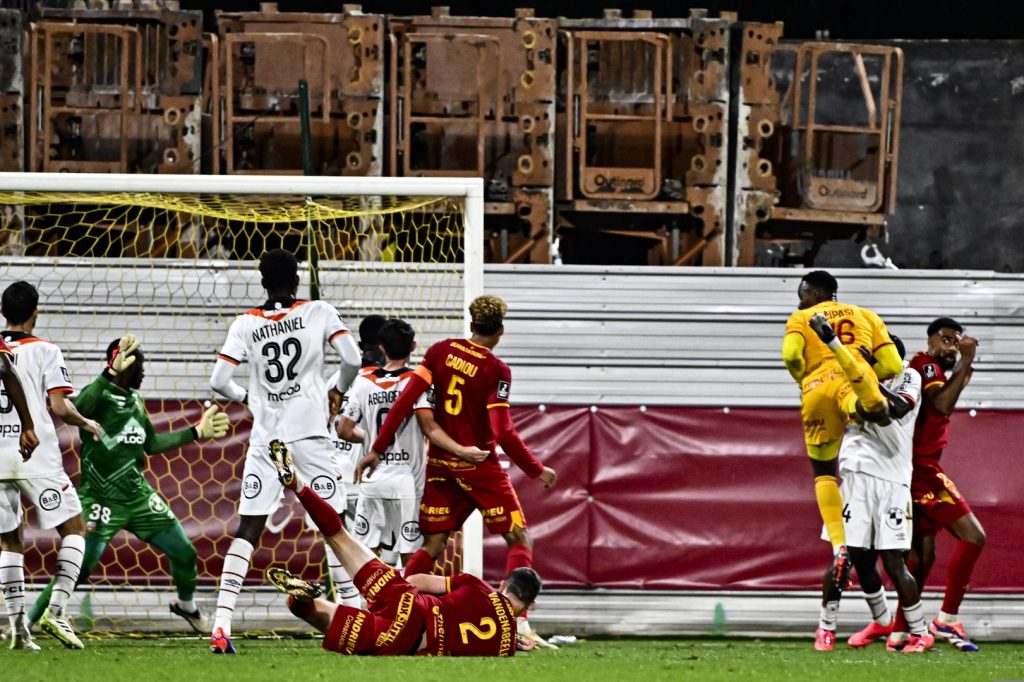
point(49, 499)
point(929, 372)
point(157, 504)
point(324, 486)
point(504, 388)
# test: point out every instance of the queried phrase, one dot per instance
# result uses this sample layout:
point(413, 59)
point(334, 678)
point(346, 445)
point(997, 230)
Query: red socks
point(300, 607)
point(323, 514)
point(419, 562)
point(959, 576)
point(519, 556)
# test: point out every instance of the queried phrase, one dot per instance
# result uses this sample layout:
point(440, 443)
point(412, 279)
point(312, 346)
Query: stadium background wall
point(659, 396)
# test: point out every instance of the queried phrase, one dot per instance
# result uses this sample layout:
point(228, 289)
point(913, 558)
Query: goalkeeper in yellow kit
point(837, 385)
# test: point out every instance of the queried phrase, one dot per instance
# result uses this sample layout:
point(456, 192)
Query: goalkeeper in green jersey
point(114, 493)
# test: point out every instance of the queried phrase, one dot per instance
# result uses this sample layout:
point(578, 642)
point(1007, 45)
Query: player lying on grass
point(115, 494)
point(459, 615)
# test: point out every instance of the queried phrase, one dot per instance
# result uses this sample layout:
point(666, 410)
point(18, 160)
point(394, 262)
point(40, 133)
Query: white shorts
point(391, 524)
point(313, 459)
point(876, 512)
point(54, 497)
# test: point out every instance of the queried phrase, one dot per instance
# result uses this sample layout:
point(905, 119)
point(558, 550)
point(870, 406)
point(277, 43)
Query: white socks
point(879, 609)
point(69, 563)
point(236, 566)
point(345, 591)
point(915, 619)
point(12, 579)
point(829, 615)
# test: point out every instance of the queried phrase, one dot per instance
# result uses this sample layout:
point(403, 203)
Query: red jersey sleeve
point(930, 370)
point(466, 580)
point(501, 386)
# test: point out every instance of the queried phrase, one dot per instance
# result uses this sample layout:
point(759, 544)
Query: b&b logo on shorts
point(49, 499)
point(324, 486)
point(251, 486)
point(411, 531)
point(362, 525)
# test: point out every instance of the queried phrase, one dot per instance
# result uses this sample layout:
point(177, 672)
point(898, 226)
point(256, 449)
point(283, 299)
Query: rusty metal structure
point(701, 140)
point(263, 55)
point(115, 90)
point(475, 96)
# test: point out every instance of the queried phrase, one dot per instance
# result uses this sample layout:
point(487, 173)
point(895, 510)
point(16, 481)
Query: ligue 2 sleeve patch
point(929, 371)
point(504, 388)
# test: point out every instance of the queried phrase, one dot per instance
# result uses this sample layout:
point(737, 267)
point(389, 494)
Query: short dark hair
point(821, 279)
point(278, 269)
point(944, 323)
point(19, 301)
point(524, 584)
point(898, 342)
point(369, 331)
point(397, 337)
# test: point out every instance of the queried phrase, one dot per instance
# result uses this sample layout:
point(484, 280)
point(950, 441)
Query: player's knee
point(187, 555)
point(976, 535)
point(894, 563)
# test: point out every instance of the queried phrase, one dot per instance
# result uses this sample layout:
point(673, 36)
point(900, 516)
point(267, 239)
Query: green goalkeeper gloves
point(124, 355)
point(213, 424)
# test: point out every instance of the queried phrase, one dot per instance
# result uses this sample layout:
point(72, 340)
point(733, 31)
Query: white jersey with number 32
point(285, 351)
point(41, 369)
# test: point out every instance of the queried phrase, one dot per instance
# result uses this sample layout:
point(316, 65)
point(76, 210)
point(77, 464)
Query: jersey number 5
point(485, 631)
point(453, 405)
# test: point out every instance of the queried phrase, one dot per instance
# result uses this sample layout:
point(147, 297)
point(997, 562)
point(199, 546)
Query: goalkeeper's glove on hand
point(213, 424)
point(123, 355)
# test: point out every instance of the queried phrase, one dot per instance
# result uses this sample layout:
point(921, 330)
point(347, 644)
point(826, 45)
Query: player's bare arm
point(65, 409)
point(429, 584)
point(439, 437)
point(28, 441)
point(944, 398)
point(350, 431)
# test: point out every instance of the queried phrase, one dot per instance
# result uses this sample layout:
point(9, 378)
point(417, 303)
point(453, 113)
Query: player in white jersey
point(41, 478)
point(387, 513)
point(283, 342)
point(875, 462)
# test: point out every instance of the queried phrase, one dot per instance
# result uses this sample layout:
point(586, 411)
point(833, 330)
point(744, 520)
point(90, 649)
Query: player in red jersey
point(937, 502)
point(459, 615)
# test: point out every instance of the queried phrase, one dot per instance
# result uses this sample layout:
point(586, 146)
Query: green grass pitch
point(297, 660)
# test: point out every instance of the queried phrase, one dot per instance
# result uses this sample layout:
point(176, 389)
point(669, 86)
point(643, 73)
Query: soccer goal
point(173, 259)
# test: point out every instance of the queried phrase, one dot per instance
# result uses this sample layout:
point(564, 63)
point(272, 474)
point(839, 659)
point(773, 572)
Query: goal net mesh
point(175, 269)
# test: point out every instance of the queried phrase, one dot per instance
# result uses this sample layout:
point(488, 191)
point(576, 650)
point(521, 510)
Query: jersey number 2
point(485, 631)
point(276, 371)
point(453, 405)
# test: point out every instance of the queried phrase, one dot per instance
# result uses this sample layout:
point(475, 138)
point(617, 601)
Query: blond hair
point(487, 314)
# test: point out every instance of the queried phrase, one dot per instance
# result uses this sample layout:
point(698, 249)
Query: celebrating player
point(875, 462)
point(471, 393)
point(459, 615)
point(42, 478)
point(115, 494)
point(937, 501)
point(283, 340)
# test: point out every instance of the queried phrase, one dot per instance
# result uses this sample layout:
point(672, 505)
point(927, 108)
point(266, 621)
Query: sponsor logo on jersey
point(251, 486)
point(157, 504)
point(324, 487)
point(65, 375)
point(895, 518)
point(277, 328)
point(131, 433)
point(929, 372)
point(411, 531)
point(10, 430)
point(391, 457)
point(49, 499)
point(362, 525)
point(286, 394)
point(504, 388)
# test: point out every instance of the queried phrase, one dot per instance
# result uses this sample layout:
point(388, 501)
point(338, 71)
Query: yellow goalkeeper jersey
point(854, 326)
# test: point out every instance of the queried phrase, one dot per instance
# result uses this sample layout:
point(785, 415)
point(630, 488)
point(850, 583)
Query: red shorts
point(450, 496)
point(394, 623)
point(937, 502)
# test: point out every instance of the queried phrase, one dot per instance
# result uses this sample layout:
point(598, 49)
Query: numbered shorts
point(449, 498)
point(394, 623)
point(54, 497)
point(937, 502)
point(388, 523)
point(876, 512)
point(314, 461)
point(145, 517)
point(826, 401)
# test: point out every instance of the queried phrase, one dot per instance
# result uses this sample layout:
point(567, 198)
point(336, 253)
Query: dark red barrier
point(662, 498)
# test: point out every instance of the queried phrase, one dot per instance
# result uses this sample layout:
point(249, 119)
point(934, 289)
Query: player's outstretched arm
point(222, 382)
point(508, 438)
point(439, 437)
point(212, 424)
point(350, 431)
point(65, 409)
point(399, 411)
point(429, 584)
point(28, 441)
